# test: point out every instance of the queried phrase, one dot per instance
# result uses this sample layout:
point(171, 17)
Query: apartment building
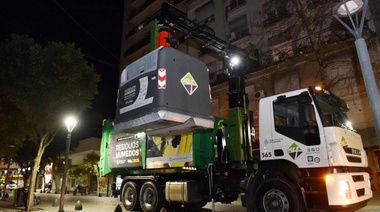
point(296, 44)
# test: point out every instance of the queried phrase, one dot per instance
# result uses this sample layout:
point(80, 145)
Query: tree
point(306, 31)
point(320, 31)
point(24, 158)
point(43, 84)
point(9, 130)
point(89, 167)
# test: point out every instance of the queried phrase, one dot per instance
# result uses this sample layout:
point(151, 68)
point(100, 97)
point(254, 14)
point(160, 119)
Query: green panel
point(104, 163)
point(203, 148)
point(143, 151)
point(204, 144)
point(235, 132)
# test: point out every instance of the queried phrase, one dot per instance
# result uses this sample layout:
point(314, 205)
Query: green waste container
point(18, 197)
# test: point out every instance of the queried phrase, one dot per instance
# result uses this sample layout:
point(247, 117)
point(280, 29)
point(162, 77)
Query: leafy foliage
point(89, 167)
point(43, 84)
point(38, 87)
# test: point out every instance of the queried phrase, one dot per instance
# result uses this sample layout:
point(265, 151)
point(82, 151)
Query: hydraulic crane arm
point(174, 18)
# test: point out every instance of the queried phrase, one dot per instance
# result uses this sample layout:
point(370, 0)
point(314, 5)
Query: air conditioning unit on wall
point(259, 94)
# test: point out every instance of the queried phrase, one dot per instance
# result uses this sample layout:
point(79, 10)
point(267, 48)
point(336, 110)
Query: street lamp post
point(349, 8)
point(70, 124)
point(18, 176)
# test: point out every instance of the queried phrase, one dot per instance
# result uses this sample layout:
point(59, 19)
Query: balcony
point(206, 21)
point(234, 4)
point(275, 16)
point(234, 36)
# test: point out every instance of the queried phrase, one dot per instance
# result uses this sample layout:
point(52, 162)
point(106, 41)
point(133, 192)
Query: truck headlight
point(344, 189)
point(329, 179)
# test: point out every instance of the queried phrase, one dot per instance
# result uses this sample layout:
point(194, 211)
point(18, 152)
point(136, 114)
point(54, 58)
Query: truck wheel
point(150, 199)
point(278, 195)
point(130, 196)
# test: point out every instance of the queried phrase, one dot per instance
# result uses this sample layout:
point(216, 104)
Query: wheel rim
point(129, 197)
point(148, 198)
point(275, 201)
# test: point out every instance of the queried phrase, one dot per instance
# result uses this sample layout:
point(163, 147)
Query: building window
point(205, 12)
point(280, 38)
point(233, 4)
point(275, 10)
point(238, 28)
point(281, 45)
point(211, 67)
point(282, 51)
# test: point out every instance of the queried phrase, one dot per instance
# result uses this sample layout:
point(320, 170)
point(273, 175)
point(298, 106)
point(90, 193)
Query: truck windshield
point(333, 111)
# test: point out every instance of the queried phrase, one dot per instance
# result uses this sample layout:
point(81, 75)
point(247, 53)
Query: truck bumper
point(348, 189)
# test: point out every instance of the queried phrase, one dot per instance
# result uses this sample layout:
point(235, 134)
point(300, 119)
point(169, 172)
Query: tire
point(150, 199)
point(278, 195)
point(130, 196)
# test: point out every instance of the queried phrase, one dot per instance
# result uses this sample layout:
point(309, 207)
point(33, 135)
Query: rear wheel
point(150, 199)
point(278, 195)
point(130, 196)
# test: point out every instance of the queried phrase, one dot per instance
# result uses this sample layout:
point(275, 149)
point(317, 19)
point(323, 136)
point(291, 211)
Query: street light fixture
point(349, 8)
point(70, 124)
point(352, 6)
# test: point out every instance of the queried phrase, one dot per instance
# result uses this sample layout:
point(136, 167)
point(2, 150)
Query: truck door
point(296, 125)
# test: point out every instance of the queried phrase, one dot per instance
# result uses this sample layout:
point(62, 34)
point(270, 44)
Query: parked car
point(10, 185)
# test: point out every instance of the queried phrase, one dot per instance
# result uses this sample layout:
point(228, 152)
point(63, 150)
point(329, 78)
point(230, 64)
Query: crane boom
point(176, 19)
point(172, 17)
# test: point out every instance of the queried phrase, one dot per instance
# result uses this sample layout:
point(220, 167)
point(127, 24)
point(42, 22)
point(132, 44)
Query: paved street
point(101, 204)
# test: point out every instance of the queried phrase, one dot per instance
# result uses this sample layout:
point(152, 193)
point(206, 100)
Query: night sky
point(95, 27)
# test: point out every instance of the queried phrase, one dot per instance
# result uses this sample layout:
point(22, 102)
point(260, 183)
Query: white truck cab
point(306, 137)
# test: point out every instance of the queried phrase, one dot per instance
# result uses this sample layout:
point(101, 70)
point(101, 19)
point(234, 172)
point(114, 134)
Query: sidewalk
point(50, 203)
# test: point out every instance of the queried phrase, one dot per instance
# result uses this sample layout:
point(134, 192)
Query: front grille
point(360, 192)
point(354, 159)
point(352, 151)
point(358, 178)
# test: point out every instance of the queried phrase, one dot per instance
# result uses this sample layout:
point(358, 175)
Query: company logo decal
point(294, 151)
point(311, 159)
point(343, 141)
point(189, 83)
